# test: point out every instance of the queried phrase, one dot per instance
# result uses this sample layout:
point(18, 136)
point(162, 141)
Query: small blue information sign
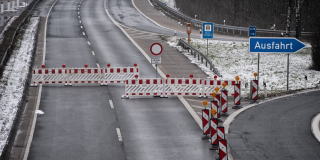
point(207, 29)
point(252, 31)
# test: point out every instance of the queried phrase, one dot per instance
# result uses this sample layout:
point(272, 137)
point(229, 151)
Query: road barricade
point(69, 76)
point(174, 86)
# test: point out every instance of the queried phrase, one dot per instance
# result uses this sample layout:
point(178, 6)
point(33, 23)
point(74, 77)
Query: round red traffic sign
point(156, 49)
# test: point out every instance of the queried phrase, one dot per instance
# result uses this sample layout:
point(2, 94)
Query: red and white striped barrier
point(205, 124)
point(215, 106)
point(224, 102)
point(217, 98)
point(254, 93)
point(86, 75)
point(209, 86)
point(237, 98)
point(221, 134)
point(223, 152)
point(143, 87)
point(213, 134)
point(183, 86)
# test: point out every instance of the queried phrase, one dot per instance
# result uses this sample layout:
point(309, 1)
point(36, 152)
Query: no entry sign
point(156, 49)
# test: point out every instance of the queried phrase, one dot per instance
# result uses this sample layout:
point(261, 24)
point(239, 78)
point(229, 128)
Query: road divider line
point(78, 12)
point(80, 21)
point(315, 126)
point(80, 26)
point(181, 98)
point(88, 42)
point(119, 134)
point(93, 53)
point(78, 9)
point(26, 153)
point(111, 104)
point(98, 65)
point(83, 33)
point(78, 16)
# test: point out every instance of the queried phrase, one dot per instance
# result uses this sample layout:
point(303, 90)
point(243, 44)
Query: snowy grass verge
point(14, 78)
point(233, 58)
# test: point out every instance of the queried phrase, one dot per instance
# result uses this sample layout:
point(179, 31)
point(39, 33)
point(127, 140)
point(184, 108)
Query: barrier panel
point(85, 75)
point(254, 90)
point(224, 102)
point(205, 123)
point(223, 152)
point(175, 86)
point(237, 98)
point(213, 134)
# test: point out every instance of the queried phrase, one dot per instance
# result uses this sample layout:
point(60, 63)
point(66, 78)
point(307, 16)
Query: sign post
point(207, 33)
point(275, 45)
point(156, 49)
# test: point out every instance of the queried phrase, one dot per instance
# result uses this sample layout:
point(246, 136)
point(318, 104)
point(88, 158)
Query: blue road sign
point(207, 29)
point(274, 45)
point(252, 31)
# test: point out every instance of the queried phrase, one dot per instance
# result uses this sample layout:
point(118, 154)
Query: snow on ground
point(6, 27)
point(14, 78)
point(170, 3)
point(233, 58)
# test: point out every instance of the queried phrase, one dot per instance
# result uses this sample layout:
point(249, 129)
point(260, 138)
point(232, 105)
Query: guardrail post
point(12, 5)
point(195, 55)
point(17, 4)
point(201, 59)
point(198, 57)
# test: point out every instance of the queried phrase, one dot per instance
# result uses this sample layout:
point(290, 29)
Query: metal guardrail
point(198, 23)
point(195, 51)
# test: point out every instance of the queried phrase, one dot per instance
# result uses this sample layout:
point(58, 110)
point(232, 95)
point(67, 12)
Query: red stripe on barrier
point(96, 81)
point(60, 82)
point(113, 82)
point(172, 93)
point(218, 83)
point(140, 93)
point(194, 93)
point(40, 82)
point(111, 70)
point(186, 94)
point(133, 94)
point(179, 81)
point(137, 69)
point(53, 81)
point(39, 71)
point(131, 70)
point(147, 93)
point(82, 81)
point(59, 71)
point(124, 70)
point(95, 70)
point(46, 71)
point(46, 82)
point(118, 70)
point(211, 82)
point(34, 71)
point(187, 81)
point(148, 81)
point(154, 81)
point(75, 81)
point(89, 81)
point(233, 83)
point(133, 81)
point(140, 81)
point(118, 81)
point(179, 93)
point(154, 93)
point(194, 81)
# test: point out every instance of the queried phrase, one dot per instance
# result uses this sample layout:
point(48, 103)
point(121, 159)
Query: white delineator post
point(17, 4)
point(305, 81)
point(8, 5)
point(12, 5)
point(2, 7)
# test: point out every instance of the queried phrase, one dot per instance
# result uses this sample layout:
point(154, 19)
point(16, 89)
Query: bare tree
point(298, 7)
point(289, 11)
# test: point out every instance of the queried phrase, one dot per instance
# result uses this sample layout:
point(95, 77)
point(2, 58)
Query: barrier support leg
point(104, 79)
point(163, 89)
point(202, 91)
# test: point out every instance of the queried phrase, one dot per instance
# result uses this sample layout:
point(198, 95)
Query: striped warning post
point(221, 134)
point(214, 134)
point(254, 94)
point(205, 124)
point(224, 102)
point(215, 106)
point(237, 94)
point(217, 98)
point(223, 154)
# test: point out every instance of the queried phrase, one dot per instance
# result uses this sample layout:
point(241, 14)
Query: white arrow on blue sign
point(274, 45)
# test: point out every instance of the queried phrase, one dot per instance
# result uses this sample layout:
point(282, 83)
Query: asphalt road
point(279, 129)
point(79, 122)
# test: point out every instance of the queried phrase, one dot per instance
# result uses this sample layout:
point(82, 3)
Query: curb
point(315, 128)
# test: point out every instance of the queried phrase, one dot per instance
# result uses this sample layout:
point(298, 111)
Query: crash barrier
point(173, 86)
point(223, 151)
point(194, 51)
point(69, 76)
point(197, 22)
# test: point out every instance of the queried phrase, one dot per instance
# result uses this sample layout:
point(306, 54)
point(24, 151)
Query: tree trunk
point(289, 4)
point(298, 18)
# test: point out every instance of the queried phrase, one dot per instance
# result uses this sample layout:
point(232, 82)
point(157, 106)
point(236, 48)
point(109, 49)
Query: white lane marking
point(33, 125)
point(78, 12)
point(83, 33)
point(88, 42)
point(231, 117)
point(93, 53)
point(98, 65)
point(119, 134)
point(315, 126)
point(111, 104)
point(78, 9)
point(80, 21)
point(78, 16)
point(80, 26)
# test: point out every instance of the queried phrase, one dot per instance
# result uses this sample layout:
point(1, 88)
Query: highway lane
point(79, 123)
point(125, 13)
point(279, 129)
